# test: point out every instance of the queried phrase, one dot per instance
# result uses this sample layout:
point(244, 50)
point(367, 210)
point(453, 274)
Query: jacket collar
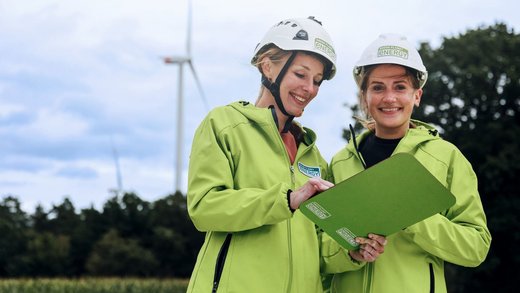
point(413, 138)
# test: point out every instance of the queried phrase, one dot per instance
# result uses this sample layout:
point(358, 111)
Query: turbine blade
point(188, 33)
point(198, 84)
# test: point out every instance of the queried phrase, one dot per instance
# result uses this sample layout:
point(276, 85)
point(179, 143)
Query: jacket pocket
point(221, 259)
point(432, 279)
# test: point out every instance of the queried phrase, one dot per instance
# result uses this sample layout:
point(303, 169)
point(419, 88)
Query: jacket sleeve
point(461, 236)
point(334, 258)
point(213, 202)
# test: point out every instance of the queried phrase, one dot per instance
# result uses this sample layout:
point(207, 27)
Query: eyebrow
point(397, 81)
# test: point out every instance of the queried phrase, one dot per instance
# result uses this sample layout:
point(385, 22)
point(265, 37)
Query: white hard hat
point(302, 34)
point(393, 49)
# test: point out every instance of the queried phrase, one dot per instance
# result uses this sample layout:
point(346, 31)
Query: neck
point(266, 100)
point(390, 134)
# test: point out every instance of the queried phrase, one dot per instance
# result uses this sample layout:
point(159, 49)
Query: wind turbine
point(119, 178)
point(181, 60)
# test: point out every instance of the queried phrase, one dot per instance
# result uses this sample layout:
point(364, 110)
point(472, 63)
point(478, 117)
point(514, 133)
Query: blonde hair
point(274, 54)
point(367, 121)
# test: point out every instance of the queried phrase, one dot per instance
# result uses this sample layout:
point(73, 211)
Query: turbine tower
point(181, 60)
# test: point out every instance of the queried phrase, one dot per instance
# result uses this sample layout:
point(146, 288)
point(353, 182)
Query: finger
point(373, 251)
point(324, 187)
point(367, 250)
point(328, 184)
point(355, 254)
point(320, 187)
point(363, 240)
point(367, 256)
point(323, 183)
point(380, 239)
point(379, 242)
point(376, 246)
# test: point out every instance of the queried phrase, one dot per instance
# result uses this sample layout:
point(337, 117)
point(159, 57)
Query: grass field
point(93, 285)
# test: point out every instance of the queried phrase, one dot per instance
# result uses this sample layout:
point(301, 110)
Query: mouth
point(300, 99)
point(390, 110)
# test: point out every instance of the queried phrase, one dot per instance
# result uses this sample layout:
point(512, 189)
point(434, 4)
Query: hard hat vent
point(301, 35)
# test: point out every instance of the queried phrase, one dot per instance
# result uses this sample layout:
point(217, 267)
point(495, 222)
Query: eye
point(317, 82)
point(377, 87)
point(299, 75)
point(401, 87)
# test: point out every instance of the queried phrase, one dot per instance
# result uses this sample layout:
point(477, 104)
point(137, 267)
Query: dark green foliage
point(13, 240)
point(113, 255)
point(175, 235)
point(473, 94)
point(130, 237)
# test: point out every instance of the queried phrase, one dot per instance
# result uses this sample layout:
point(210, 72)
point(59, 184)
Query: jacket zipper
point(221, 259)
point(293, 182)
point(369, 274)
point(289, 283)
point(289, 239)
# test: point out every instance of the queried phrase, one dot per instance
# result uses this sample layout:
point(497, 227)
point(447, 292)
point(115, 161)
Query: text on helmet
point(394, 51)
point(325, 47)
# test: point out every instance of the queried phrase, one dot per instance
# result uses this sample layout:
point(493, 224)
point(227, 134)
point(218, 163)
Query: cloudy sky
point(80, 79)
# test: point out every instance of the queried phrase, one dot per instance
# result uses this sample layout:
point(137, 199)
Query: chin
point(297, 113)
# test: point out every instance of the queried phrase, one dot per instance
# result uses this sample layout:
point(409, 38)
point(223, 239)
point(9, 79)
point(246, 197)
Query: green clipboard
point(383, 199)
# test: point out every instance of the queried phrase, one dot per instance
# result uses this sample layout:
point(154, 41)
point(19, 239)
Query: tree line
point(129, 237)
point(474, 92)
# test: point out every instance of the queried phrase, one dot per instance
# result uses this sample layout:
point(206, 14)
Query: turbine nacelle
point(176, 59)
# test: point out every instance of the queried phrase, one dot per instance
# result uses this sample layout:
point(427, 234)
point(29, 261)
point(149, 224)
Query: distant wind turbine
point(119, 178)
point(180, 61)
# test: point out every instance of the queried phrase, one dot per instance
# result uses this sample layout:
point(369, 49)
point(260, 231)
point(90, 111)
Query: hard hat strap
point(274, 87)
point(288, 123)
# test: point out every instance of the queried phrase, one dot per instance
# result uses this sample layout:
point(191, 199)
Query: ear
point(417, 97)
point(267, 67)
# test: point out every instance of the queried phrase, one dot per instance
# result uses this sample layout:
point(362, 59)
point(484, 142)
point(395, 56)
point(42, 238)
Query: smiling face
point(390, 97)
point(299, 85)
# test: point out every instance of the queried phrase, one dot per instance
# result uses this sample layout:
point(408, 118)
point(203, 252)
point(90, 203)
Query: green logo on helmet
point(394, 51)
point(325, 48)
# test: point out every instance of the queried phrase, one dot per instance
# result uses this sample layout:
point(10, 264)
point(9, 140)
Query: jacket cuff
point(289, 200)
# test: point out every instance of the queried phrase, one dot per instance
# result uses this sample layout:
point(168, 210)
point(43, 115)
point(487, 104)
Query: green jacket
point(238, 180)
point(414, 258)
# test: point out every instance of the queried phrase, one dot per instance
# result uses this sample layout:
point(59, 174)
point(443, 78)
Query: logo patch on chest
point(309, 171)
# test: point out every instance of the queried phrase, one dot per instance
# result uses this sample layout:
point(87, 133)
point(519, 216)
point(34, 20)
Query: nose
point(389, 96)
point(308, 85)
